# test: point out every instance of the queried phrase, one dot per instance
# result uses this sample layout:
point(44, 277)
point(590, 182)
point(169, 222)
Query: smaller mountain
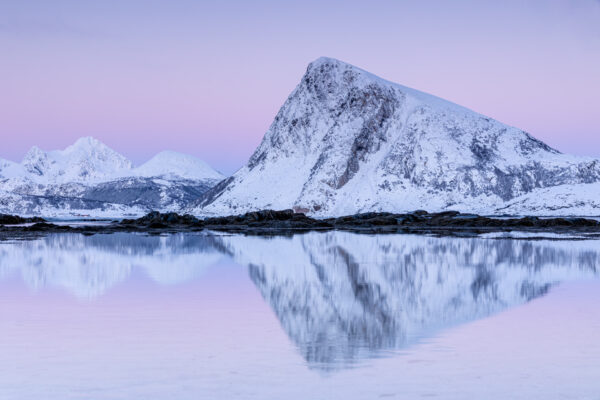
point(172, 164)
point(89, 178)
point(86, 160)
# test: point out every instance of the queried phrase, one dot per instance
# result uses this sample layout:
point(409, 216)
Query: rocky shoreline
point(286, 222)
point(6, 219)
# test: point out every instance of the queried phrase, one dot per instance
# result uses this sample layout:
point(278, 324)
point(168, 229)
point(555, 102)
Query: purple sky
point(207, 78)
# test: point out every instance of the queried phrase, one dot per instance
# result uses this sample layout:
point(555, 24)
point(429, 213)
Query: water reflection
point(87, 266)
point(340, 297)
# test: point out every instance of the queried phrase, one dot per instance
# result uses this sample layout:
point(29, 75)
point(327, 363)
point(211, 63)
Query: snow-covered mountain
point(346, 141)
point(86, 160)
point(89, 178)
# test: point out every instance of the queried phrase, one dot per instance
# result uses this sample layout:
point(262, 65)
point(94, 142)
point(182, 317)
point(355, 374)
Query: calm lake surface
point(313, 316)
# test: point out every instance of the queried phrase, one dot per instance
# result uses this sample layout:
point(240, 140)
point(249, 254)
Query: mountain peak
point(328, 74)
point(327, 60)
point(171, 163)
point(88, 144)
point(36, 161)
point(34, 151)
point(87, 141)
point(87, 159)
point(347, 141)
point(88, 177)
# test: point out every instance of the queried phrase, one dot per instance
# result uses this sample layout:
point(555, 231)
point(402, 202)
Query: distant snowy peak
point(170, 163)
point(100, 153)
point(347, 141)
point(86, 160)
point(90, 161)
point(36, 161)
point(90, 178)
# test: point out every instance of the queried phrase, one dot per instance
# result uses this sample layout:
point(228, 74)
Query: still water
point(313, 316)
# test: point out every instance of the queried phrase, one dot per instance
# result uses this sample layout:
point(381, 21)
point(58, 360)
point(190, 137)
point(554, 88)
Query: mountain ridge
point(344, 142)
point(89, 178)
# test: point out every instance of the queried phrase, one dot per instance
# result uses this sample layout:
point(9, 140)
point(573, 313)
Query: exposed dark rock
point(215, 191)
point(44, 226)
point(284, 222)
point(6, 219)
point(156, 219)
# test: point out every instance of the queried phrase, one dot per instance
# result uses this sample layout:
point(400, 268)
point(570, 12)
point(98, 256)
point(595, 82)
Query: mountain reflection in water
point(340, 297)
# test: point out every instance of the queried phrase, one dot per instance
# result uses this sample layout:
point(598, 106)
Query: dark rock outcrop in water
point(449, 222)
point(159, 220)
point(285, 222)
point(6, 219)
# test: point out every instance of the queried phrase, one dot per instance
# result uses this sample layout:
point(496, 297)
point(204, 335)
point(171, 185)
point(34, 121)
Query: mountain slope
point(346, 141)
point(89, 178)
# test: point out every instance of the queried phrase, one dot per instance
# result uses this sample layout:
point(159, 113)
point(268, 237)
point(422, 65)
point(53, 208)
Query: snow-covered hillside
point(346, 141)
point(89, 178)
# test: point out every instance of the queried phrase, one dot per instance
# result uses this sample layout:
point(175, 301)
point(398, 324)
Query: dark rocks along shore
point(270, 222)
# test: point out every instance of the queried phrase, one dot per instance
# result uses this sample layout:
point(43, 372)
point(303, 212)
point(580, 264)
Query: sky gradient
point(207, 78)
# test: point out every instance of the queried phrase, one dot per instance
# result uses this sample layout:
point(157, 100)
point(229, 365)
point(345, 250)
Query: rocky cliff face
point(346, 141)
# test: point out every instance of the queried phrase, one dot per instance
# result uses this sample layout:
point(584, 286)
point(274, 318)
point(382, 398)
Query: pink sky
point(207, 78)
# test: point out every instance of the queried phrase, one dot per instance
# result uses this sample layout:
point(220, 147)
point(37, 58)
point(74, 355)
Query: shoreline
point(287, 222)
